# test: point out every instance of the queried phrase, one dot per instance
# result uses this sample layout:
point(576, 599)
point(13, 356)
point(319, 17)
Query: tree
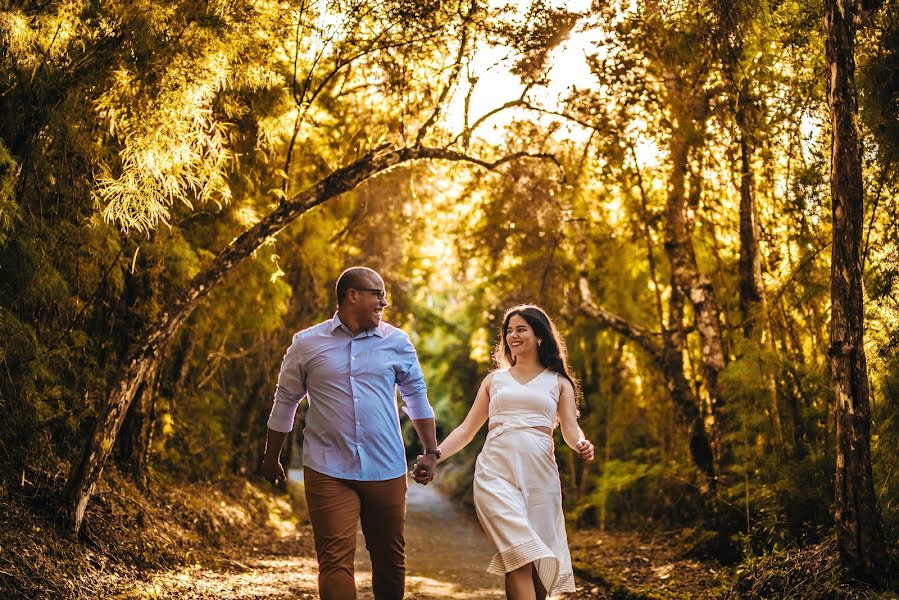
point(662, 349)
point(859, 534)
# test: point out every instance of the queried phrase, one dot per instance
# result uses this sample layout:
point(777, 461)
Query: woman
point(517, 492)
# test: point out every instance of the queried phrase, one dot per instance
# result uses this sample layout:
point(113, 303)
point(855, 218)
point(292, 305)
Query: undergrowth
point(127, 532)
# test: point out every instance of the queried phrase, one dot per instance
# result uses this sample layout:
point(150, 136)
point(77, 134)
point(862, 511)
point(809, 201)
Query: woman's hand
point(584, 449)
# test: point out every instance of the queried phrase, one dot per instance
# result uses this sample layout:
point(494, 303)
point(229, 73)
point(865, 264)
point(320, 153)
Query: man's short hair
point(354, 278)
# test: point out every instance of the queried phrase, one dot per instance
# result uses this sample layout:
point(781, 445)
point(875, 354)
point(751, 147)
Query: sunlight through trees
point(181, 183)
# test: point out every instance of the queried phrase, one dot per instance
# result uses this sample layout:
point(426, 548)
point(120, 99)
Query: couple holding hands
point(349, 367)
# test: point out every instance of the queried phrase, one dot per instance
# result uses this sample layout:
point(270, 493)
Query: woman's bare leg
point(520, 583)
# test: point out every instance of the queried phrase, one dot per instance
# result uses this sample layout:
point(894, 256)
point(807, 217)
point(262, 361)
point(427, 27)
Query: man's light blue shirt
point(352, 426)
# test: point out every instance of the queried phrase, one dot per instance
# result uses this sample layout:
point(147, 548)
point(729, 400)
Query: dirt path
point(447, 554)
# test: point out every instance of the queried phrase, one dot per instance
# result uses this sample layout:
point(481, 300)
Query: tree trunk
point(147, 352)
point(701, 449)
point(667, 352)
point(137, 432)
point(859, 533)
point(689, 105)
point(686, 278)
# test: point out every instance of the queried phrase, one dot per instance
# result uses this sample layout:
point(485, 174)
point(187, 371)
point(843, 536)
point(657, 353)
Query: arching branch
point(146, 353)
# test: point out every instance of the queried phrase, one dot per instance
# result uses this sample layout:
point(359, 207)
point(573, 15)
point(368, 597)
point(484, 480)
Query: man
point(354, 459)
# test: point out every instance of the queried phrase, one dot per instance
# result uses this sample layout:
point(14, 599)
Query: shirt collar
point(336, 324)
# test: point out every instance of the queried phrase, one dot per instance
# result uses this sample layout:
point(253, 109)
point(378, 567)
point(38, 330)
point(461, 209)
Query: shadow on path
point(446, 549)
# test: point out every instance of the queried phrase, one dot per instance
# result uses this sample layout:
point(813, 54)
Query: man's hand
point(273, 471)
point(423, 469)
point(271, 461)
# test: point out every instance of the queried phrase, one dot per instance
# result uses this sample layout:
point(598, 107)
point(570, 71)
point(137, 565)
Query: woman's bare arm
point(571, 431)
point(474, 420)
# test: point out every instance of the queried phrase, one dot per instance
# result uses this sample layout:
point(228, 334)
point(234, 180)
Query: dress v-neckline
point(529, 381)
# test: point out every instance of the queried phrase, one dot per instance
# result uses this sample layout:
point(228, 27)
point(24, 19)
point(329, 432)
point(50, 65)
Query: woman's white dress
point(517, 492)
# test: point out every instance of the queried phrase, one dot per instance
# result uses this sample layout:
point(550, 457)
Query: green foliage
point(195, 428)
point(168, 108)
point(885, 440)
point(783, 493)
point(879, 80)
point(644, 492)
point(9, 209)
point(154, 113)
point(153, 134)
point(534, 35)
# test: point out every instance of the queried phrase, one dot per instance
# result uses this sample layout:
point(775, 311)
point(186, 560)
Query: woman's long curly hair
point(551, 353)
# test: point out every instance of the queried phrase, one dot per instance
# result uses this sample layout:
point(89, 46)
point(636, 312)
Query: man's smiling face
point(370, 305)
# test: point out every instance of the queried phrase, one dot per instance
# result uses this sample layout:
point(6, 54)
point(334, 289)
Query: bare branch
point(466, 133)
point(521, 102)
point(649, 341)
point(454, 76)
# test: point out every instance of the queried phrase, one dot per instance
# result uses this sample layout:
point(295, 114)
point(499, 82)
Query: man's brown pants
point(335, 506)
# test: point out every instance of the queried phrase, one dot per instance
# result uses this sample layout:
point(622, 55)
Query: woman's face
point(520, 337)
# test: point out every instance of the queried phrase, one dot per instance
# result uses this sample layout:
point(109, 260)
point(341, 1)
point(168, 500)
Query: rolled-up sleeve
point(411, 382)
point(290, 390)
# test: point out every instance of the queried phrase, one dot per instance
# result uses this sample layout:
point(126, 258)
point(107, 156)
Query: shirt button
point(355, 399)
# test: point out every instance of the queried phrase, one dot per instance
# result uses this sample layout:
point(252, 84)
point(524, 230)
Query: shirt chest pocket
point(379, 363)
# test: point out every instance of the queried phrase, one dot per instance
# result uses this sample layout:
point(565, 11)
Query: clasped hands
point(423, 469)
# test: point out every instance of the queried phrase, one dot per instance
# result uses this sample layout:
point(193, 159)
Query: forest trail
point(447, 554)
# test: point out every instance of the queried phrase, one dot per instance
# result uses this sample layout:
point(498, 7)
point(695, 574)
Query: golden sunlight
point(495, 85)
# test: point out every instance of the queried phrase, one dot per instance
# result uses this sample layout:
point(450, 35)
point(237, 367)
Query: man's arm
point(289, 392)
point(423, 472)
point(271, 463)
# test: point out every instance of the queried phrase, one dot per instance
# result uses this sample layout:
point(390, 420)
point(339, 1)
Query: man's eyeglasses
point(381, 294)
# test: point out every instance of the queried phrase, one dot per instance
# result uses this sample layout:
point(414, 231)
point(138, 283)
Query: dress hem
point(534, 551)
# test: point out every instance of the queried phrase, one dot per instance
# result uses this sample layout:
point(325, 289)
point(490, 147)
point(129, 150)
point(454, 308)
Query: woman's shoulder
point(563, 383)
point(492, 375)
point(493, 378)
